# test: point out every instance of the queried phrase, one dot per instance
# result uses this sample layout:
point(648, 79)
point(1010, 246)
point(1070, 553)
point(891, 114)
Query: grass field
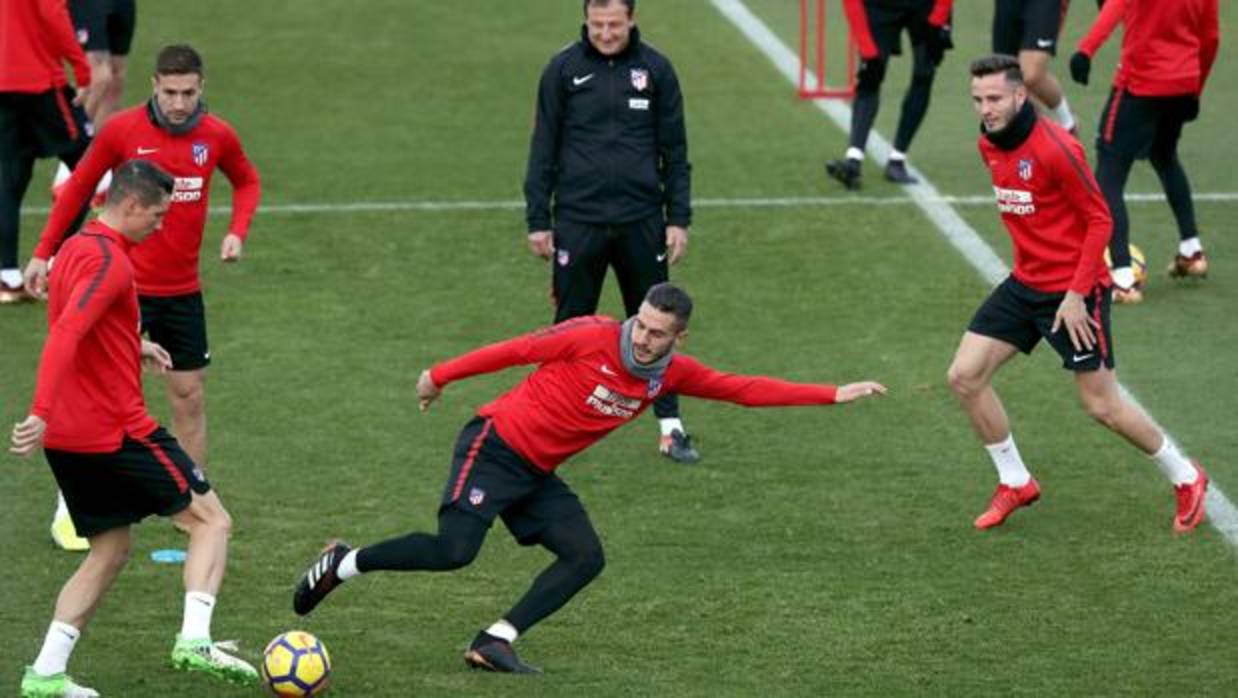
point(814, 551)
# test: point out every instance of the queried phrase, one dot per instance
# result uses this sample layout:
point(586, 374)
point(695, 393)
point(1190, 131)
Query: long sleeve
point(55, 16)
point(1209, 41)
point(698, 380)
point(940, 14)
point(675, 170)
point(100, 157)
point(97, 288)
point(1108, 19)
point(1080, 186)
point(858, 19)
point(246, 188)
point(551, 343)
point(541, 174)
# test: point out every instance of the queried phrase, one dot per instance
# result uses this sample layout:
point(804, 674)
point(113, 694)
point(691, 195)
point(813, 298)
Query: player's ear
point(680, 338)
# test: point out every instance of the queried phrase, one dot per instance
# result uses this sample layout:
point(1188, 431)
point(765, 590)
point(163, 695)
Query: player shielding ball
point(593, 375)
point(1059, 291)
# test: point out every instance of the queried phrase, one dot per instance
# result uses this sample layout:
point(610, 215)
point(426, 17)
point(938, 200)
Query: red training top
point(89, 387)
point(1053, 210)
point(1168, 47)
point(581, 392)
point(166, 262)
point(36, 38)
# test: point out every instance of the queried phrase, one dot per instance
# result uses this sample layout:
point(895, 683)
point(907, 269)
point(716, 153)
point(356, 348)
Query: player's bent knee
point(590, 563)
point(460, 553)
point(964, 382)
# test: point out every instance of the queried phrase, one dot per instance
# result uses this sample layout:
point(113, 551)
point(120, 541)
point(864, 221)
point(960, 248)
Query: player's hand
point(676, 242)
point(27, 435)
point(83, 95)
point(858, 391)
point(542, 243)
point(35, 277)
point(427, 391)
point(155, 358)
point(1191, 111)
point(1073, 315)
point(940, 40)
point(1080, 67)
point(230, 249)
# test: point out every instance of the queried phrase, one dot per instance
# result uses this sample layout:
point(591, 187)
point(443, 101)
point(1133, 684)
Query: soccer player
point(1168, 49)
point(609, 146)
point(877, 24)
point(40, 114)
point(1058, 291)
point(593, 375)
point(113, 462)
point(173, 130)
point(105, 31)
point(1029, 29)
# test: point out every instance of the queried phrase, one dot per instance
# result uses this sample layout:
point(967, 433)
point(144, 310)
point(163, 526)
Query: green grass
point(814, 551)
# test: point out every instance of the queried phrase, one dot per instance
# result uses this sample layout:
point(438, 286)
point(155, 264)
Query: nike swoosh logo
point(607, 370)
point(146, 151)
point(1077, 358)
point(1044, 43)
point(662, 257)
point(577, 82)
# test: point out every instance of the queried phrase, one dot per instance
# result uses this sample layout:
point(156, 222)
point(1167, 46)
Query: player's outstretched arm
point(427, 391)
point(858, 391)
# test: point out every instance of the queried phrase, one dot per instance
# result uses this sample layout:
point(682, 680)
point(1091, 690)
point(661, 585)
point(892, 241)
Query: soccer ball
point(296, 664)
point(1139, 265)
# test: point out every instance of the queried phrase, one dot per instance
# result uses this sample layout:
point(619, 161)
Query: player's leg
point(552, 517)
point(75, 606)
point(16, 166)
point(1126, 129)
point(1042, 23)
point(885, 26)
point(178, 324)
point(578, 268)
point(1001, 328)
point(186, 392)
point(1189, 260)
point(121, 23)
point(915, 106)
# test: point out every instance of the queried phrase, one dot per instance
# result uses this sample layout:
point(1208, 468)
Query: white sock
point(62, 174)
point(1175, 467)
point(62, 509)
point(1010, 468)
point(854, 153)
point(1190, 246)
point(670, 424)
point(1123, 277)
point(503, 630)
point(348, 566)
point(57, 646)
point(898, 155)
point(198, 609)
point(11, 277)
point(1063, 114)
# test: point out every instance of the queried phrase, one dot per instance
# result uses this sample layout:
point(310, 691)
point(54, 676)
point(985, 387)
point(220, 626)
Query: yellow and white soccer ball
point(1139, 265)
point(296, 664)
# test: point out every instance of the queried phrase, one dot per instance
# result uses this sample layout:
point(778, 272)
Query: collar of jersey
point(1017, 131)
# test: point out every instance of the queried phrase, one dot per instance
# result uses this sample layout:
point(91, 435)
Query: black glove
point(1080, 67)
point(1190, 111)
point(938, 42)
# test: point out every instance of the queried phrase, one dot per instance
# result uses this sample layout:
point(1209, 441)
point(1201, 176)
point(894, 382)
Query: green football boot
point(209, 657)
point(55, 686)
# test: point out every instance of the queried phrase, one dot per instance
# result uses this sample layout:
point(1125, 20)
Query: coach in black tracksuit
point(610, 149)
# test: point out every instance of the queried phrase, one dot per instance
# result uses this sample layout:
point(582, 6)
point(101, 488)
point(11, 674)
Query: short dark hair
point(631, 5)
point(998, 63)
point(179, 59)
point(141, 179)
point(669, 298)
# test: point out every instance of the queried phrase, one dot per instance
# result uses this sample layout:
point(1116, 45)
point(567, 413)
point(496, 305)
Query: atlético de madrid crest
point(1025, 169)
point(200, 154)
point(640, 79)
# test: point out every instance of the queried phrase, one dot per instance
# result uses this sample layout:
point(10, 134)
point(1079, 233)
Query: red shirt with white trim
point(1053, 210)
point(580, 391)
point(166, 262)
point(1168, 47)
point(36, 40)
point(89, 385)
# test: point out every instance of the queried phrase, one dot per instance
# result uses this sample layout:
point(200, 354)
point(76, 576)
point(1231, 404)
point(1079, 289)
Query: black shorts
point(489, 479)
point(886, 24)
point(41, 125)
point(1027, 25)
point(1138, 127)
point(178, 324)
point(1022, 316)
point(104, 25)
point(147, 475)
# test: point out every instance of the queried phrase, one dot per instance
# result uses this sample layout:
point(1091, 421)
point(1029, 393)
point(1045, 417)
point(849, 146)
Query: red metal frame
point(821, 89)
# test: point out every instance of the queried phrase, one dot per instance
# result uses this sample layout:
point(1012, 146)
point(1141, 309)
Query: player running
point(1058, 291)
point(593, 375)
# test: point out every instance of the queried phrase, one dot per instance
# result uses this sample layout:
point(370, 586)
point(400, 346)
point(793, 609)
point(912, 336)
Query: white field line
point(416, 205)
point(1221, 511)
